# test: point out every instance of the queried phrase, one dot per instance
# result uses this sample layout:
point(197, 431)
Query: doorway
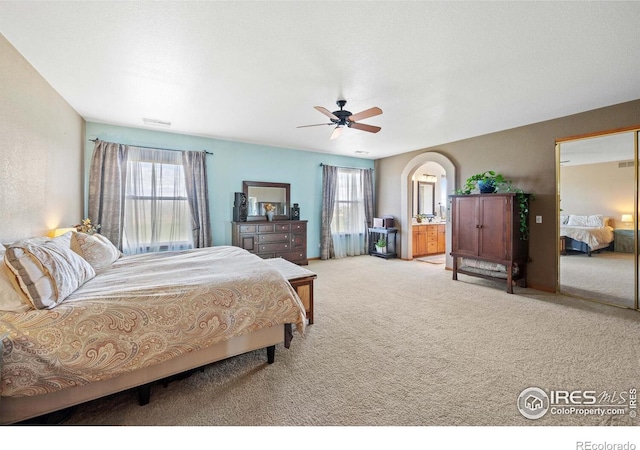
point(408, 178)
point(598, 218)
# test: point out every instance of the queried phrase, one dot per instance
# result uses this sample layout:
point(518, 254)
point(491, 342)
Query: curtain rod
point(157, 148)
point(344, 167)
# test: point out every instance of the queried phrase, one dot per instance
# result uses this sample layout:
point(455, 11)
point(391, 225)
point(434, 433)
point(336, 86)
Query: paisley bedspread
point(595, 238)
point(143, 310)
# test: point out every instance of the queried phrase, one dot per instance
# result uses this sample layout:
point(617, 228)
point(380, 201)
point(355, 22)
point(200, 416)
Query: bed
point(586, 233)
point(138, 319)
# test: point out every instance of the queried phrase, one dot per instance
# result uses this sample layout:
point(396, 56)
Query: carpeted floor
point(399, 343)
point(605, 276)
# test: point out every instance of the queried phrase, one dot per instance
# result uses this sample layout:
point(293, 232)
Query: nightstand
point(623, 240)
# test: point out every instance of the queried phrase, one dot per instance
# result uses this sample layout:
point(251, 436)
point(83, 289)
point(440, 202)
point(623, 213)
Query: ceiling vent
point(156, 123)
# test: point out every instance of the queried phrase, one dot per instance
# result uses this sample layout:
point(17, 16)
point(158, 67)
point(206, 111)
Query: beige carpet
point(605, 276)
point(399, 343)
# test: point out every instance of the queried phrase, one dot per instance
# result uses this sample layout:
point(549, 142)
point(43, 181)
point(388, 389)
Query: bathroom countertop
point(429, 223)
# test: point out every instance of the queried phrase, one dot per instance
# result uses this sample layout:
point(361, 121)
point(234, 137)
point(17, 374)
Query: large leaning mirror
point(260, 193)
point(426, 197)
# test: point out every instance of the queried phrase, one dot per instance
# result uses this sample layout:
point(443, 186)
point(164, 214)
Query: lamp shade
point(627, 218)
point(59, 232)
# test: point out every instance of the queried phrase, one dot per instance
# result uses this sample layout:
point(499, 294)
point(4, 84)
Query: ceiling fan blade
point(326, 112)
point(363, 127)
point(336, 133)
point(375, 111)
point(316, 125)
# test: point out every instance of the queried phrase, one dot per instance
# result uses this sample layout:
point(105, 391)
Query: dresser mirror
point(259, 193)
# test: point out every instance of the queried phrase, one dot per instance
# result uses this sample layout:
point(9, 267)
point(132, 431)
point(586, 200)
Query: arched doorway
point(406, 207)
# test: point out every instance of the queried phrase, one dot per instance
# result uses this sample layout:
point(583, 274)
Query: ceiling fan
point(344, 118)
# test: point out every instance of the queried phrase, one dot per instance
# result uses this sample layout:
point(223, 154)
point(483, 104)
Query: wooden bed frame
point(17, 409)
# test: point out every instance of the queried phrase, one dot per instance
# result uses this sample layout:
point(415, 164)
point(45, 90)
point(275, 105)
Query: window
point(156, 212)
point(348, 226)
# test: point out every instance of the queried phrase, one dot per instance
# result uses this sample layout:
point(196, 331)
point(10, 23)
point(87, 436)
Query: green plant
point(493, 181)
point(381, 242)
point(523, 203)
point(420, 217)
point(499, 183)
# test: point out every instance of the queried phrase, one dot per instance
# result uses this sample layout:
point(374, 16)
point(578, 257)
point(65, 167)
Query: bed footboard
point(16, 409)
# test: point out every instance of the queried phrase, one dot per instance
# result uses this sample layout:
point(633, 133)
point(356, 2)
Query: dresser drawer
point(295, 257)
point(248, 228)
point(282, 227)
point(299, 227)
point(273, 237)
point(274, 247)
point(266, 228)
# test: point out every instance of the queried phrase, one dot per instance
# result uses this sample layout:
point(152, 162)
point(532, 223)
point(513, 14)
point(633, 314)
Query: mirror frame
point(422, 184)
point(286, 186)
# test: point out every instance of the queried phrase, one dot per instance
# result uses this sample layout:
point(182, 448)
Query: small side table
point(623, 240)
point(390, 235)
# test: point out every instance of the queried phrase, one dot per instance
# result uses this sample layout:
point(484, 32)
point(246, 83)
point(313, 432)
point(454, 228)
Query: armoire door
point(465, 226)
point(493, 222)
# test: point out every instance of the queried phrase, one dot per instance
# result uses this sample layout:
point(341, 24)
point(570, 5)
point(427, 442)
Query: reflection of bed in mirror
point(586, 234)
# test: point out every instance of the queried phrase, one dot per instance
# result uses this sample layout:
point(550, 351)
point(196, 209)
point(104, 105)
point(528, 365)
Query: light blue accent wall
point(230, 165)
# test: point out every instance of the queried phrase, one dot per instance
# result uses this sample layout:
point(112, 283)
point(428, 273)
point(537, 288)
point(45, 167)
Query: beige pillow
point(11, 300)
point(96, 249)
point(47, 272)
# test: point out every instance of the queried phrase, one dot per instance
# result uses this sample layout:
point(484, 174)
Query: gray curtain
point(367, 189)
point(195, 172)
point(329, 186)
point(107, 185)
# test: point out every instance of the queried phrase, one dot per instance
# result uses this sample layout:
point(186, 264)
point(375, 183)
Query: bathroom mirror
point(426, 197)
point(260, 193)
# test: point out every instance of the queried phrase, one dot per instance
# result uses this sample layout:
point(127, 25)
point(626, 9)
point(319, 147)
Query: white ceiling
point(253, 71)
point(606, 148)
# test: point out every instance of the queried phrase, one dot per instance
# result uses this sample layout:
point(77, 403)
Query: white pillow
point(594, 221)
point(564, 220)
point(96, 249)
point(11, 300)
point(47, 272)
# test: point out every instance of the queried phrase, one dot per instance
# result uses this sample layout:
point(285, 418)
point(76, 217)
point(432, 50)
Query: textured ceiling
point(253, 71)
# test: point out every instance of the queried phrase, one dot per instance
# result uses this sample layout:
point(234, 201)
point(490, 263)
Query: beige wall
point(40, 152)
point(601, 188)
point(525, 155)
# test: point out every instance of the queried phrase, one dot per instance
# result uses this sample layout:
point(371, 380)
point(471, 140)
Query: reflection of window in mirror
point(426, 197)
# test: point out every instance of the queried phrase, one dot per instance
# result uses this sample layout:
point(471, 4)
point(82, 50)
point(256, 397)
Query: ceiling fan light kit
point(343, 118)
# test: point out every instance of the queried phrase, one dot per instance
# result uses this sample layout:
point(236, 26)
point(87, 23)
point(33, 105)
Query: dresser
point(428, 239)
point(278, 239)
